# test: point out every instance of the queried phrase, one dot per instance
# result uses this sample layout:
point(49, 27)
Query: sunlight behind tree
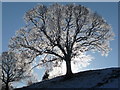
point(62, 33)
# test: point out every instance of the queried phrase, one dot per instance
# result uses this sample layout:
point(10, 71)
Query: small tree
point(45, 76)
point(62, 32)
point(12, 69)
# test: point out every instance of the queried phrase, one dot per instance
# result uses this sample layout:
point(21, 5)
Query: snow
point(100, 78)
point(112, 84)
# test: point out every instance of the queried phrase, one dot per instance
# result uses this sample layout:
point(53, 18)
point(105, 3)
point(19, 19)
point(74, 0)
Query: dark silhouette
point(46, 75)
point(11, 69)
point(63, 32)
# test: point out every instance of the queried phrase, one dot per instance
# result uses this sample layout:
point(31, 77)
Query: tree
point(62, 32)
point(45, 76)
point(12, 69)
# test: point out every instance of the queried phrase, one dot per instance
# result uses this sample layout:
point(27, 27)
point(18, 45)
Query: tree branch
point(51, 52)
point(31, 48)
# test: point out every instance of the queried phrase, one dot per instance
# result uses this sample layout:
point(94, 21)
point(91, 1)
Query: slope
point(100, 78)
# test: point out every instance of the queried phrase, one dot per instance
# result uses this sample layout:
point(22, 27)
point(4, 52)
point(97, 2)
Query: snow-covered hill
point(102, 78)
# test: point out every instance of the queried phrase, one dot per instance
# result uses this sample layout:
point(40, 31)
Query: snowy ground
point(102, 78)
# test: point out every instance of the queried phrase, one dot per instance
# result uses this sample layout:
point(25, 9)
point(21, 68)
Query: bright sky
point(12, 20)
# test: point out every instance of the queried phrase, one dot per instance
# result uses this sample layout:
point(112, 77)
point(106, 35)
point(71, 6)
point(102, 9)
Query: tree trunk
point(7, 86)
point(68, 68)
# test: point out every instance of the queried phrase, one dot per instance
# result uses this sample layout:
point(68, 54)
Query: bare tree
point(12, 70)
point(62, 32)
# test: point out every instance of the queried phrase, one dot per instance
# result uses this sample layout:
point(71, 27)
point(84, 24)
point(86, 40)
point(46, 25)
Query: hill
point(100, 78)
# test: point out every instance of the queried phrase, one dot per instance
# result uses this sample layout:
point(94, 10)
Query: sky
point(60, 0)
point(12, 20)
